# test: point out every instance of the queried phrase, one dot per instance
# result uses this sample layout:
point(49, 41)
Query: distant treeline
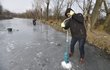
point(5, 17)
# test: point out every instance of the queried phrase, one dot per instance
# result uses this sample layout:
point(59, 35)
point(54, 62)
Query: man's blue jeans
point(81, 45)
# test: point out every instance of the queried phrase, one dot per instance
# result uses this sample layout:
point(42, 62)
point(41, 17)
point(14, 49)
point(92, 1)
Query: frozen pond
point(41, 47)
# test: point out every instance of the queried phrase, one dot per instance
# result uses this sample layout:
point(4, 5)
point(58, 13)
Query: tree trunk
point(95, 12)
point(107, 24)
point(47, 9)
point(69, 3)
point(107, 21)
point(1, 9)
point(106, 8)
point(86, 13)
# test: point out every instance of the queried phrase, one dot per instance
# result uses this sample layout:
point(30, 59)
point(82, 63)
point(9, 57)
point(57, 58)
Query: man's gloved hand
point(62, 24)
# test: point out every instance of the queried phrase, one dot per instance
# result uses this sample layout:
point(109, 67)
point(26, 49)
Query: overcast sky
point(20, 6)
point(17, 6)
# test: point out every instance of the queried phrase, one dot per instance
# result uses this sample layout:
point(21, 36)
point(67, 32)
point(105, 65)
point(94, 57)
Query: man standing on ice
point(78, 32)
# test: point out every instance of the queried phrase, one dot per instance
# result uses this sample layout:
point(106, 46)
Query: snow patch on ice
point(10, 46)
point(39, 54)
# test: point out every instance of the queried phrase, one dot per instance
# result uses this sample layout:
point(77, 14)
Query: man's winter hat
point(69, 10)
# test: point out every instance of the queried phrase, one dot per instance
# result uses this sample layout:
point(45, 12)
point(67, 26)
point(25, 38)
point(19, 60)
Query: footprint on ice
point(8, 49)
point(39, 54)
point(11, 46)
point(51, 42)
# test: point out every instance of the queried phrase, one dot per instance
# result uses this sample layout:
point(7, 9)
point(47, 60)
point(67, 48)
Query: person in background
point(78, 32)
point(34, 22)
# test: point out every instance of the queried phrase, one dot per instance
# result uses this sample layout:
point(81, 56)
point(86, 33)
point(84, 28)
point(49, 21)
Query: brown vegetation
point(97, 29)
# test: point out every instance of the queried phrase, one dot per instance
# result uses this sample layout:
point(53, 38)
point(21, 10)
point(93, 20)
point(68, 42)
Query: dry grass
point(98, 38)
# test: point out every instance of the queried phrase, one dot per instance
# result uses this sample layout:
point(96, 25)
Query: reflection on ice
point(8, 49)
point(52, 43)
point(39, 44)
point(10, 46)
point(26, 47)
point(39, 54)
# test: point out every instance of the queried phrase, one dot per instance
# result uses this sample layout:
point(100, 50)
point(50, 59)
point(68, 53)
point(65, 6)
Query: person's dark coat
point(34, 21)
point(76, 25)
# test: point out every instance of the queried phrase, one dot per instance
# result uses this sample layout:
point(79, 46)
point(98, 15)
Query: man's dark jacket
point(76, 25)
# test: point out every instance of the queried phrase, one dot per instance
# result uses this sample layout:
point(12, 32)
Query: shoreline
point(100, 43)
point(2, 17)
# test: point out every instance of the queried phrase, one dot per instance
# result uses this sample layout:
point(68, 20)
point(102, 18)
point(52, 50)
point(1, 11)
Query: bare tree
point(95, 12)
point(47, 2)
point(59, 5)
point(108, 3)
point(69, 3)
point(106, 8)
point(38, 4)
point(1, 8)
point(87, 7)
point(78, 2)
point(107, 20)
